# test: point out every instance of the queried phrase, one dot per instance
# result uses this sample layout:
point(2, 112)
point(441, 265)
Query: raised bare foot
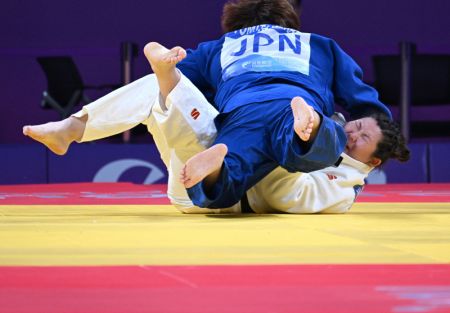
point(161, 58)
point(53, 135)
point(304, 118)
point(206, 164)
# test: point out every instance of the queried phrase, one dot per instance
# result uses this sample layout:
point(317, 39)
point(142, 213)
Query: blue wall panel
point(137, 163)
point(23, 164)
point(440, 162)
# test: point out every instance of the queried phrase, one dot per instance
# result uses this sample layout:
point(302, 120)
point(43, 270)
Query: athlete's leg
point(206, 163)
point(179, 129)
point(114, 113)
point(247, 160)
point(120, 110)
point(182, 127)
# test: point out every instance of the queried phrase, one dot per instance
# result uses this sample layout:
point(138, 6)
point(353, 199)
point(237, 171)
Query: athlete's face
point(363, 136)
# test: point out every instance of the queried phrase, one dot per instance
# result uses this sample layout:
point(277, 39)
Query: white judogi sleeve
point(331, 190)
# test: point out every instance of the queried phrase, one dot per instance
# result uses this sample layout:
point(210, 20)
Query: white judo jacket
point(330, 190)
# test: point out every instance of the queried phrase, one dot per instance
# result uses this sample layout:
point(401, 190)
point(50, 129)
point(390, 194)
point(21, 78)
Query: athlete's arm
point(324, 191)
point(349, 90)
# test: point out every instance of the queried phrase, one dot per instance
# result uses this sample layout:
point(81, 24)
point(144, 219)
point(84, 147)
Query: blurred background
point(104, 39)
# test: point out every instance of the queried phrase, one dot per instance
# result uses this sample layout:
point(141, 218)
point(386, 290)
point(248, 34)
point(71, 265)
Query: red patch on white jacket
point(195, 113)
point(331, 177)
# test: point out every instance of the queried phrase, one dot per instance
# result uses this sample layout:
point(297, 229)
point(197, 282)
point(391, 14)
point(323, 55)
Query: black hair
point(392, 144)
point(240, 14)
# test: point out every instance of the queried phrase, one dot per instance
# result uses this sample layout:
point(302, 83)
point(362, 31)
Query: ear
point(375, 162)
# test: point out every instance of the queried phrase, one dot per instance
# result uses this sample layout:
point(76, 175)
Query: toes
point(183, 174)
point(181, 54)
point(304, 137)
point(188, 184)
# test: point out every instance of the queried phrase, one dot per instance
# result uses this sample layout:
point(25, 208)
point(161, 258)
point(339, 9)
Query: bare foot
point(205, 165)
point(162, 59)
point(57, 136)
point(304, 118)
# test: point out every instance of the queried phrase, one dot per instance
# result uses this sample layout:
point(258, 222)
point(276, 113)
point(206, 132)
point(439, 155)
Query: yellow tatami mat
point(371, 233)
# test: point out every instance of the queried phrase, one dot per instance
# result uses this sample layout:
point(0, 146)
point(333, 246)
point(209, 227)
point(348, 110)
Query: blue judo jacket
point(268, 62)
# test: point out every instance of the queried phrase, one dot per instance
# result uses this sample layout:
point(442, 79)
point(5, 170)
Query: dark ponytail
point(393, 144)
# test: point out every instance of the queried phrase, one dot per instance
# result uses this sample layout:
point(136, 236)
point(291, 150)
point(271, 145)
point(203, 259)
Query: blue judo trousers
point(259, 138)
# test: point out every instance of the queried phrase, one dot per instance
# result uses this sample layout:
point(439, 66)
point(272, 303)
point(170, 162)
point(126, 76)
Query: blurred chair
point(430, 91)
point(65, 88)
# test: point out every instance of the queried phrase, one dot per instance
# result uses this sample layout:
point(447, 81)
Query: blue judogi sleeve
point(191, 68)
point(355, 96)
point(196, 67)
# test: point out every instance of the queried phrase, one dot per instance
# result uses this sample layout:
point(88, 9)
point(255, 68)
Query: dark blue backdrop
point(91, 32)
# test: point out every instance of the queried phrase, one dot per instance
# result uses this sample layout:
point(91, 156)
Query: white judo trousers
point(183, 126)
